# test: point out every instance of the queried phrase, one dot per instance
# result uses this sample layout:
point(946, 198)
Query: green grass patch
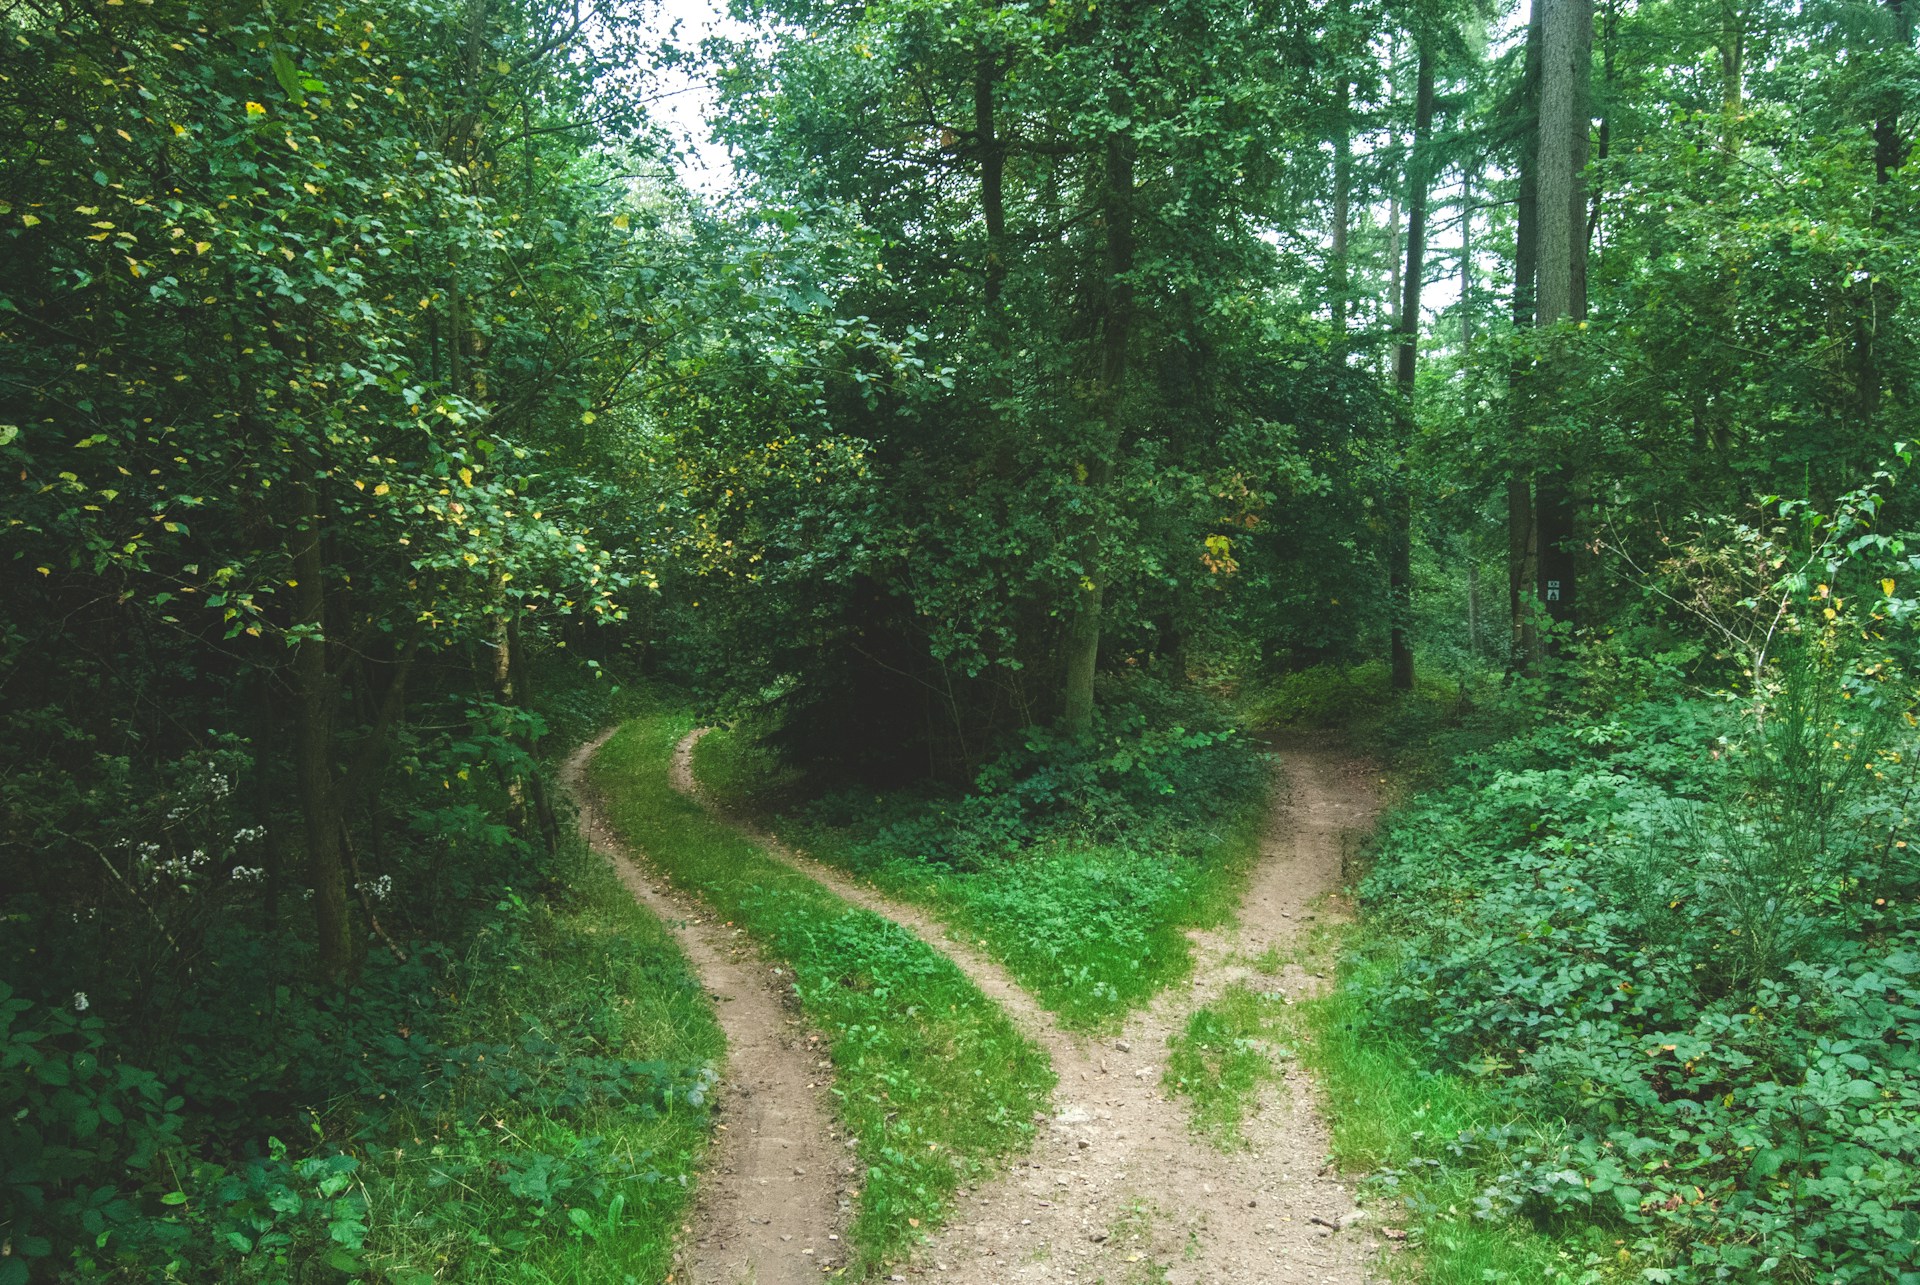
point(578, 1053)
point(1229, 1051)
point(932, 1080)
point(1093, 928)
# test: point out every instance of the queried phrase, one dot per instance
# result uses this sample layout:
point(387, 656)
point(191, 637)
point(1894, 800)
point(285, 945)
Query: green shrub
point(1572, 923)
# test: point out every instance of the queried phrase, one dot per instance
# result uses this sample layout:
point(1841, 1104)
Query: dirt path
point(1117, 1188)
point(771, 1207)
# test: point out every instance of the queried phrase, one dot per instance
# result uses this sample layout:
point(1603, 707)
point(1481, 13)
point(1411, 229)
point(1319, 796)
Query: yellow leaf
point(179, 129)
point(471, 558)
point(255, 109)
point(621, 221)
point(466, 477)
point(201, 247)
point(31, 220)
point(381, 489)
point(1886, 587)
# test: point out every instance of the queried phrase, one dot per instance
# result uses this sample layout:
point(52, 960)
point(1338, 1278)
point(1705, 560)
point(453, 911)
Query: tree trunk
point(1406, 357)
point(1889, 154)
point(1733, 75)
point(1341, 283)
point(314, 694)
point(1522, 553)
point(1889, 145)
point(1466, 257)
point(1566, 71)
point(1473, 607)
point(993, 167)
point(543, 812)
point(1083, 635)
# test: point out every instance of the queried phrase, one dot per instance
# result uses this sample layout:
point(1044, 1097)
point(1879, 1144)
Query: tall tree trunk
point(1889, 154)
point(1083, 635)
point(1566, 72)
point(1610, 21)
point(1467, 207)
point(993, 168)
point(1522, 552)
point(543, 812)
point(314, 695)
point(1406, 358)
point(1889, 144)
point(1733, 74)
point(1341, 284)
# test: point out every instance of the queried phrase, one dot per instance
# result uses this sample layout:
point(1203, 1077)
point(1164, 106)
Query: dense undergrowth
point(1080, 868)
point(522, 1098)
point(931, 1077)
point(1641, 972)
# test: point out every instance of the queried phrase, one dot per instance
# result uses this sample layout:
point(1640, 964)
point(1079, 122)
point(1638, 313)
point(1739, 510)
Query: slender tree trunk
point(314, 694)
point(1406, 358)
point(1473, 606)
point(1342, 285)
point(1889, 144)
point(993, 167)
point(1604, 143)
point(1522, 552)
point(1083, 635)
point(543, 813)
point(1733, 74)
point(1466, 256)
point(1889, 154)
point(1394, 284)
point(1566, 69)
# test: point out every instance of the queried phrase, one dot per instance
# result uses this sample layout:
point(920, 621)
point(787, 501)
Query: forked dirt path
point(1118, 1188)
point(771, 1208)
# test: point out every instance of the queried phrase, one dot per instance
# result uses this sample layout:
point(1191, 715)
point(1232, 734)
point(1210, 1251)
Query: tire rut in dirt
point(773, 1192)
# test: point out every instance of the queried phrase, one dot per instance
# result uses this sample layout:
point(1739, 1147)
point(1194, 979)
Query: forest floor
point(1119, 1186)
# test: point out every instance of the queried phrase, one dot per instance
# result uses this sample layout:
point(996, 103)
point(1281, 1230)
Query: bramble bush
point(1698, 946)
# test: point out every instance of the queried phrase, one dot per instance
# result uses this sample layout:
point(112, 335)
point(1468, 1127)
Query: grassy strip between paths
point(1092, 930)
point(932, 1079)
point(1229, 1051)
point(550, 1163)
point(1392, 1123)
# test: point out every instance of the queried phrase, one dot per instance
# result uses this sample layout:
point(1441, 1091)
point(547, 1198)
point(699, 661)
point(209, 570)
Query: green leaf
point(289, 77)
